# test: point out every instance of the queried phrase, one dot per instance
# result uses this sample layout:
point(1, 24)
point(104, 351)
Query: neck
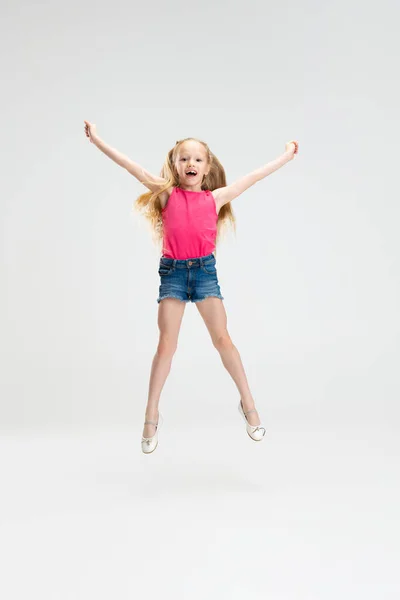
point(188, 188)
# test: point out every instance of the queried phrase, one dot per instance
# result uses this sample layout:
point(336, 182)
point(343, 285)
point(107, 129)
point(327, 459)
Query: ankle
point(248, 403)
point(151, 414)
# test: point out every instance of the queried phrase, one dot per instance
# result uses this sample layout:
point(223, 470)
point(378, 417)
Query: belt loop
point(174, 263)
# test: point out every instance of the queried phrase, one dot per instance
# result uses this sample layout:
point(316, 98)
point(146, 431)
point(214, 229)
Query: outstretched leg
point(170, 313)
point(214, 315)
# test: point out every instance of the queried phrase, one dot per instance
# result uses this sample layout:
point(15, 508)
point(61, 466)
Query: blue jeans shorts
point(191, 279)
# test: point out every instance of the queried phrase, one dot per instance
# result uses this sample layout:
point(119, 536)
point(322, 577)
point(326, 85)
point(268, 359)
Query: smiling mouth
point(191, 173)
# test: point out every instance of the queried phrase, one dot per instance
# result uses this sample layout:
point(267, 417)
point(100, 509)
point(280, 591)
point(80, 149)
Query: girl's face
point(191, 158)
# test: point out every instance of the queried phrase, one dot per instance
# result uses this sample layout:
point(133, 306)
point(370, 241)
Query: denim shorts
point(191, 279)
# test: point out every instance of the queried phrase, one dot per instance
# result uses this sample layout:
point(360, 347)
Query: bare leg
point(170, 313)
point(213, 312)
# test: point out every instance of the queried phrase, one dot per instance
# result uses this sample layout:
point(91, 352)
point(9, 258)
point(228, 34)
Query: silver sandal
point(256, 432)
point(150, 444)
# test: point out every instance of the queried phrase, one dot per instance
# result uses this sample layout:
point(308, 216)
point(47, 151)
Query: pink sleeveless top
point(190, 224)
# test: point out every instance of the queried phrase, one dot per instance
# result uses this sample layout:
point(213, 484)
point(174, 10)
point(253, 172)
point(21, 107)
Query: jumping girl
point(187, 206)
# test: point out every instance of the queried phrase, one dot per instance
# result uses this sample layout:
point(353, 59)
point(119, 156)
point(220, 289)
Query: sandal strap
point(246, 412)
point(150, 423)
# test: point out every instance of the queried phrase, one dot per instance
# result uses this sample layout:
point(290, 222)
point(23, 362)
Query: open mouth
point(191, 173)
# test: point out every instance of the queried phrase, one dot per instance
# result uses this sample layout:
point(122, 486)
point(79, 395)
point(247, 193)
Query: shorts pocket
point(164, 269)
point(209, 267)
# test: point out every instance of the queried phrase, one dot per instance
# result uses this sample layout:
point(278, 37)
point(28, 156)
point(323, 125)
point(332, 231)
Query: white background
point(311, 286)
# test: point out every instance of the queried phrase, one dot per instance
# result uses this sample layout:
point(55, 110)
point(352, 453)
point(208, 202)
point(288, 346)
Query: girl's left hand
point(292, 147)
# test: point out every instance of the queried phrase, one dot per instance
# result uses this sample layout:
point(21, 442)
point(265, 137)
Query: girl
point(187, 205)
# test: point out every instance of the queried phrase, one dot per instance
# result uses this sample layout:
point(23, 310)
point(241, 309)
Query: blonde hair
point(149, 203)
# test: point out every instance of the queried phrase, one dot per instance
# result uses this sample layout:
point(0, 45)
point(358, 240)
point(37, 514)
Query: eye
point(199, 159)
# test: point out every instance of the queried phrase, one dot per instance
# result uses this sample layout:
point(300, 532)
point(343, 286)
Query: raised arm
point(152, 182)
point(231, 191)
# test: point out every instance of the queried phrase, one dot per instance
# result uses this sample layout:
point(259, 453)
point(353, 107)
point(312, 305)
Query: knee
point(166, 347)
point(223, 341)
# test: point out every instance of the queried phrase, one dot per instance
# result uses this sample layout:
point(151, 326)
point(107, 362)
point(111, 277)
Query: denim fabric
point(189, 280)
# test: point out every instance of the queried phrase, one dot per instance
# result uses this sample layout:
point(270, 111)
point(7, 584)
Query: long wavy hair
point(150, 206)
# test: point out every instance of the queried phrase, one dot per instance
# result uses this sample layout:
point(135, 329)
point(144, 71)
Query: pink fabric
point(190, 224)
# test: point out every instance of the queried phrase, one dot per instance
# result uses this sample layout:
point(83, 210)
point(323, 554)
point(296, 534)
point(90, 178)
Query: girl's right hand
point(292, 147)
point(90, 130)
